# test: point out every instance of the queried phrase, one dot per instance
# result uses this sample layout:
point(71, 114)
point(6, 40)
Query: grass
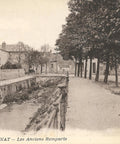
point(110, 85)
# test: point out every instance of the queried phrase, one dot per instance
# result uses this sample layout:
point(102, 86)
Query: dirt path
point(91, 107)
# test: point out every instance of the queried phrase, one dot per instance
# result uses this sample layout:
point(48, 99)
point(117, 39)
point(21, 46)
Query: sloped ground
point(46, 99)
point(91, 106)
point(28, 106)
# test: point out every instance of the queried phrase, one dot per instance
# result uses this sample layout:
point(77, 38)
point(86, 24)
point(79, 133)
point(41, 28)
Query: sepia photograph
point(60, 71)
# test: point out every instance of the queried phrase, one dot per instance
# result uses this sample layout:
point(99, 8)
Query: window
point(51, 65)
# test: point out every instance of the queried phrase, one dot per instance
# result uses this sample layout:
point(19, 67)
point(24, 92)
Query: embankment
point(50, 93)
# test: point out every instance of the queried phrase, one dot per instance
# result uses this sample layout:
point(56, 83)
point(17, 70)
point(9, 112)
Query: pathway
point(91, 107)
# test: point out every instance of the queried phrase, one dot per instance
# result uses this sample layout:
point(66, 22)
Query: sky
point(34, 22)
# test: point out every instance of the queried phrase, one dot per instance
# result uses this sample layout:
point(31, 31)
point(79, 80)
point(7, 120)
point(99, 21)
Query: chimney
point(3, 45)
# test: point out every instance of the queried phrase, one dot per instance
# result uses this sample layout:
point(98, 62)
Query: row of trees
point(36, 58)
point(92, 30)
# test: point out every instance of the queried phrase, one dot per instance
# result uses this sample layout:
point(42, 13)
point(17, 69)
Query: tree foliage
point(92, 30)
point(9, 65)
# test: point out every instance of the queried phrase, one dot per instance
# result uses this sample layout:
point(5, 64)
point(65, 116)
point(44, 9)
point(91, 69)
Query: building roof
point(19, 47)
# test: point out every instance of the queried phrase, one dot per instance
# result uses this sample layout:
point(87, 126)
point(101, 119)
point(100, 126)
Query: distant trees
point(45, 48)
point(45, 51)
point(92, 30)
point(36, 58)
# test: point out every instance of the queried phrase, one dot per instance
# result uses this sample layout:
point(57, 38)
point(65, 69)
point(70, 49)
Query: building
point(4, 55)
point(102, 67)
point(55, 64)
point(94, 66)
point(58, 65)
point(14, 53)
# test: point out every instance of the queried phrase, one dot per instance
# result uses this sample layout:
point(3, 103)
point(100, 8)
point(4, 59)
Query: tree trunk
point(81, 70)
point(98, 67)
point(85, 74)
point(106, 71)
point(81, 67)
point(41, 68)
point(46, 68)
point(90, 72)
point(78, 69)
point(116, 74)
point(75, 69)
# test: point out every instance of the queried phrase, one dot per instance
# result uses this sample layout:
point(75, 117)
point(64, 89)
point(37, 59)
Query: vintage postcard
point(59, 71)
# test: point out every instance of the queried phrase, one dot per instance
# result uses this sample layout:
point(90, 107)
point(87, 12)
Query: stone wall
point(11, 73)
point(7, 88)
point(13, 87)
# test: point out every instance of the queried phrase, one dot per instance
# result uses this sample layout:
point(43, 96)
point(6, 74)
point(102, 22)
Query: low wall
point(11, 73)
point(10, 87)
